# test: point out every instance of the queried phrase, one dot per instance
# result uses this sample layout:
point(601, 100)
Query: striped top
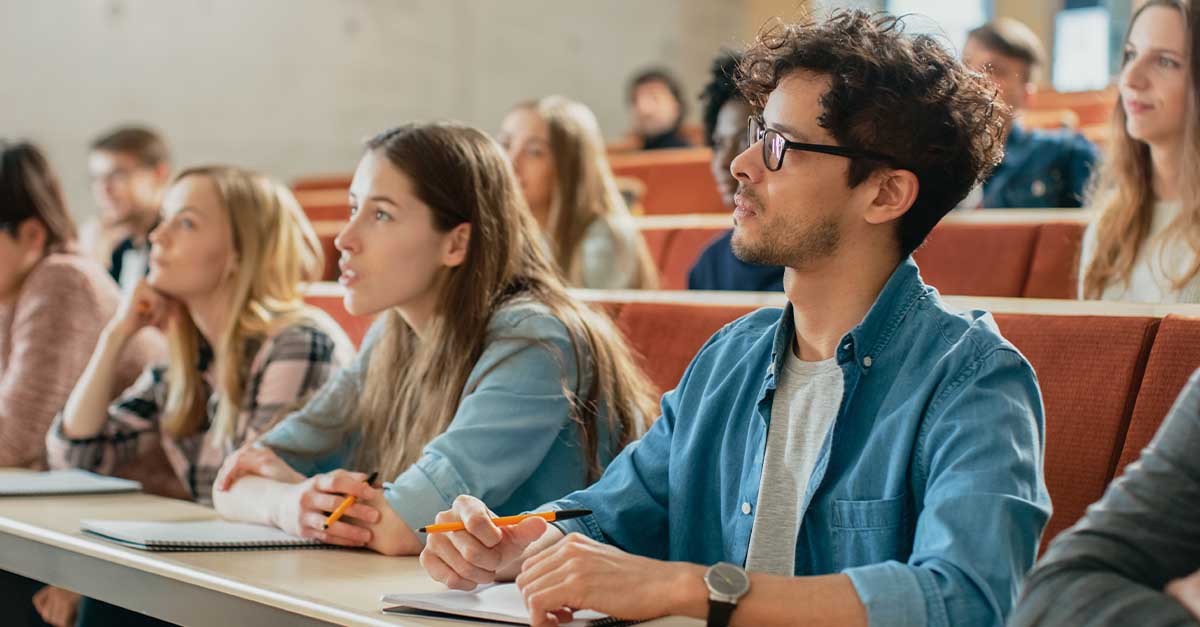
point(285, 369)
point(47, 335)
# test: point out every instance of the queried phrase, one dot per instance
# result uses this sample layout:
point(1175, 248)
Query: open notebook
point(62, 482)
point(500, 603)
point(195, 535)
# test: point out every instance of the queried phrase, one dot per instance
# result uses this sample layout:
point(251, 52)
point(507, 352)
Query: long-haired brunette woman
point(480, 375)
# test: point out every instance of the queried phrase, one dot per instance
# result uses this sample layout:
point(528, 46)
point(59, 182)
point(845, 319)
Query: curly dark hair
point(891, 93)
point(721, 88)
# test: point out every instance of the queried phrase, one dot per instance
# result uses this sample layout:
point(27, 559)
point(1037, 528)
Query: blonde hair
point(413, 386)
point(276, 251)
point(584, 190)
point(1124, 189)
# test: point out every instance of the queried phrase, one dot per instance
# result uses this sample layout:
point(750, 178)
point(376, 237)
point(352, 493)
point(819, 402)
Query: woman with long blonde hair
point(480, 375)
point(1145, 246)
point(227, 267)
point(558, 154)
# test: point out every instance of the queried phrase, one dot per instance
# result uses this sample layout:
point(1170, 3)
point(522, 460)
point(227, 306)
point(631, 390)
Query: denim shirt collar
point(864, 344)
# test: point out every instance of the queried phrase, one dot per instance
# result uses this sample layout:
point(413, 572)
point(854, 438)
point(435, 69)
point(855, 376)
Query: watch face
point(727, 580)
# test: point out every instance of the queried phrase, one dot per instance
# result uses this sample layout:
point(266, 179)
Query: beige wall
point(292, 87)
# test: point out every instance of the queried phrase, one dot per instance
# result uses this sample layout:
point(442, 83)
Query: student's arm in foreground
point(574, 571)
point(1117, 565)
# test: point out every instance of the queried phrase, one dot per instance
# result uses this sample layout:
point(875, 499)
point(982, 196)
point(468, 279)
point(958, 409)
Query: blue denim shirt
point(1040, 169)
point(928, 491)
point(512, 442)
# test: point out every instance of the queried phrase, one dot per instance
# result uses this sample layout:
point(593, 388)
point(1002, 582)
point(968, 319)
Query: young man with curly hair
point(870, 457)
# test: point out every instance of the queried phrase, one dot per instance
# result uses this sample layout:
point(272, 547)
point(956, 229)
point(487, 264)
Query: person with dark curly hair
point(869, 456)
point(725, 113)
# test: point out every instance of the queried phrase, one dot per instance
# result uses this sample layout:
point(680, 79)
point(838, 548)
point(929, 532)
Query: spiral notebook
point(498, 603)
point(195, 535)
point(56, 482)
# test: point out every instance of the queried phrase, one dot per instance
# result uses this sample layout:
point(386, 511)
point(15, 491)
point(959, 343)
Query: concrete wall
point(293, 86)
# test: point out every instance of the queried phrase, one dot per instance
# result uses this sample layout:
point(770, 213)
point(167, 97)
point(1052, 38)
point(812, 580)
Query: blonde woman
point(481, 375)
point(1145, 245)
point(558, 155)
point(226, 267)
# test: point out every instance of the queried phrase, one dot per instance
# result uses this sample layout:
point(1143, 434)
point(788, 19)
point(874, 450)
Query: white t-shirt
point(808, 395)
point(1157, 263)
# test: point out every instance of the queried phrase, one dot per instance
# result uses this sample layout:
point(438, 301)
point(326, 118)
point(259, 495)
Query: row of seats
point(1028, 254)
point(1108, 373)
point(970, 255)
point(669, 182)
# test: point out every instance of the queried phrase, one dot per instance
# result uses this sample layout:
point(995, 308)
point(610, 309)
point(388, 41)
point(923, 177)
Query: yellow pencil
point(505, 521)
point(345, 505)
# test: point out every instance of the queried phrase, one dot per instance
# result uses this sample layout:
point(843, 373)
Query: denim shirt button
point(746, 508)
point(867, 362)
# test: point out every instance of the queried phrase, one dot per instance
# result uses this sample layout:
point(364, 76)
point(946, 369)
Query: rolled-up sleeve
point(630, 502)
point(317, 438)
point(130, 431)
point(515, 406)
point(984, 505)
point(1111, 568)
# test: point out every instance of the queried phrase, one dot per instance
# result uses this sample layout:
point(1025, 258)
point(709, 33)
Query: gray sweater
point(1111, 567)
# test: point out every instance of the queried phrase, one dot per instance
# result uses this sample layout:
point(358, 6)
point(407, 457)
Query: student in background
point(1134, 558)
point(227, 265)
point(53, 305)
point(1040, 168)
point(725, 114)
point(901, 433)
point(480, 374)
point(658, 108)
point(131, 169)
point(558, 155)
point(1144, 246)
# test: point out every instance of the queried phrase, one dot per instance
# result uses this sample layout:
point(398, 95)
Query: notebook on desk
point(63, 482)
point(196, 535)
point(498, 603)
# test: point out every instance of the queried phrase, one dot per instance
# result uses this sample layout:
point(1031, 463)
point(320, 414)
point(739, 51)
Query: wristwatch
point(726, 584)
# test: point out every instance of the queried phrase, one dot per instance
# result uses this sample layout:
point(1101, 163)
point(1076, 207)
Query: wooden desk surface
point(339, 587)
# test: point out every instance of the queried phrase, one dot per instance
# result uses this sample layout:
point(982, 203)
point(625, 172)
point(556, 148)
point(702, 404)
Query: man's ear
point(458, 241)
point(895, 193)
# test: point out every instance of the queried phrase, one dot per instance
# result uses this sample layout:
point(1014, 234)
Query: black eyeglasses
point(775, 146)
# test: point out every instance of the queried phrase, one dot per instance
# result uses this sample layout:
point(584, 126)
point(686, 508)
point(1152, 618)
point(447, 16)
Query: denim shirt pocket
point(870, 531)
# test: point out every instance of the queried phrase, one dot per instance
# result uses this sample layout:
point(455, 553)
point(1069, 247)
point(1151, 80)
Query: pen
point(505, 521)
point(345, 505)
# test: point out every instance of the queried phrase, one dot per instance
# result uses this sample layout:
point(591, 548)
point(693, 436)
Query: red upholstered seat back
point(1053, 273)
point(970, 259)
point(668, 336)
point(677, 181)
point(322, 182)
point(1176, 354)
point(1089, 369)
point(680, 255)
point(657, 242)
